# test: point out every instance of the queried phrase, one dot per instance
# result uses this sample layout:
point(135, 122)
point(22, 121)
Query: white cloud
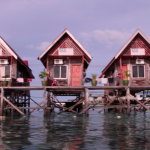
point(41, 46)
point(107, 37)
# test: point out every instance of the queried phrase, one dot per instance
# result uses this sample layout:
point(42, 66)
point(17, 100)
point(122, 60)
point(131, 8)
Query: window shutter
point(135, 73)
point(56, 71)
point(7, 70)
point(141, 71)
point(63, 71)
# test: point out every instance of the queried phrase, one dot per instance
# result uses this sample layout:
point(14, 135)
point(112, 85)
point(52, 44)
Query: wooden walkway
point(50, 101)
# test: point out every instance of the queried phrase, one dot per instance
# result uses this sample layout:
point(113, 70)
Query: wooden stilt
point(13, 105)
point(45, 103)
point(86, 100)
point(128, 100)
point(48, 102)
point(1, 106)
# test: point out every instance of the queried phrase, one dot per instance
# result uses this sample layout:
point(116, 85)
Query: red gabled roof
point(58, 38)
point(123, 48)
point(16, 56)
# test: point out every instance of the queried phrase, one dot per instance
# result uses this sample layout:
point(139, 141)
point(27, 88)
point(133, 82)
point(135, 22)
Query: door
point(124, 68)
point(76, 75)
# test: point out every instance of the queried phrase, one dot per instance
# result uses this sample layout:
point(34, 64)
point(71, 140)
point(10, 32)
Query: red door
point(124, 68)
point(76, 75)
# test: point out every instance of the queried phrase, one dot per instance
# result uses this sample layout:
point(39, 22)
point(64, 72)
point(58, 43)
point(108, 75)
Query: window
point(60, 72)
point(138, 71)
point(20, 74)
point(5, 70)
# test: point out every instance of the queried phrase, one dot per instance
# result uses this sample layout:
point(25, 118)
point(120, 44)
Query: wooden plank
point(61, 106)
point(13, 106)
point(141, 104)
point(107, 105)
point(38, 107)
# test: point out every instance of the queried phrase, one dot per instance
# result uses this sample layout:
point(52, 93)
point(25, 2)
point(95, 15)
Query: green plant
point(126, 74)
point(94, 76)
point(6, 76)
point(43, 75)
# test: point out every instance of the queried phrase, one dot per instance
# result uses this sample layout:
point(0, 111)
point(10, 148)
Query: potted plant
point(5, 83)
point(125, 78)
point(94, 82)
point(43, 75)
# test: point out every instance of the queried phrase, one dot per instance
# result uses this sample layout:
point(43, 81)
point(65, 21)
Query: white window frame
point(138, 72)
point(4, 71)
point(60, 71)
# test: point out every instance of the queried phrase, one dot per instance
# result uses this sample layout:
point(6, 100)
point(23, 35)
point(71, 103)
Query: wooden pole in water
point(1, 106)
point(86, 100)
point(44, 96)
point(128, 100)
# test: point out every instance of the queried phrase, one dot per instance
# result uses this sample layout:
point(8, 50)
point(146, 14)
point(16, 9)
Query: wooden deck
point(50, 101)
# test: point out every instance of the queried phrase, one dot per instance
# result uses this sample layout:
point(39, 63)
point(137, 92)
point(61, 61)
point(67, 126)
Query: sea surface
point(67, 131)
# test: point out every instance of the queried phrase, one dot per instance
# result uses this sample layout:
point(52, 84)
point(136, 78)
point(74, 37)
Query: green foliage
point(6, 76)
point(94, 76)
point(126, 74)
point(43, 75)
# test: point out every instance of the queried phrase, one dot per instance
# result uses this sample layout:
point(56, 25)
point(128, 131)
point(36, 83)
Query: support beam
point(13, 106)
point(141, 104)
point(37, 107)
point(107, 105)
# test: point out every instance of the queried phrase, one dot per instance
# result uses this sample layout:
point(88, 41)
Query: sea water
point(68, 131)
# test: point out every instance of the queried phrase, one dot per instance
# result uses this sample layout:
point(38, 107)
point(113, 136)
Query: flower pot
point(44, 83)
point(4, 83)
point(94, 82)
point(125, 82)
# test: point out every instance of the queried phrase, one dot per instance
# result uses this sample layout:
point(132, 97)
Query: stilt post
point(128, 100)
point(86, 100)
point(1, 106)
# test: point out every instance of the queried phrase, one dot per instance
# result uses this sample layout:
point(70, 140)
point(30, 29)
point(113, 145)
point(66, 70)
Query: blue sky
point(101, 26)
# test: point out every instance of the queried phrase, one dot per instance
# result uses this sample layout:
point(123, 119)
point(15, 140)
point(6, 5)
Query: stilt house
point(134, 58)
point(11, 64)
point(66, 60)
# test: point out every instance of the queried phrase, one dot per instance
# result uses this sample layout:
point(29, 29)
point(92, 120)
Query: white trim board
point(7, 48)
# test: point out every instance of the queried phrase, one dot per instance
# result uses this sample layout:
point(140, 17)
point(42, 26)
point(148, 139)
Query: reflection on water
point(69, 132)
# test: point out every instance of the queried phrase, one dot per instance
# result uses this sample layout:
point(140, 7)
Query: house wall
point(69, 63)
point(129, 63)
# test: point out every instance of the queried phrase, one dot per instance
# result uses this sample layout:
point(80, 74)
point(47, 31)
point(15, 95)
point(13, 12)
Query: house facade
point(134, 59)
point(13, 66)
point(65, 60)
